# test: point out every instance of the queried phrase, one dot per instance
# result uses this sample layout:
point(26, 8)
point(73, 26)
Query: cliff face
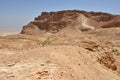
point(56, 21)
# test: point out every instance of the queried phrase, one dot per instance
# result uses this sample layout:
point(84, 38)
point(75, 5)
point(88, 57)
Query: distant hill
point(68, 20)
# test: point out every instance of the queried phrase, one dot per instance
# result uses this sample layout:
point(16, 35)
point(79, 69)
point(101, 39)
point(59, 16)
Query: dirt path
point(84, 22)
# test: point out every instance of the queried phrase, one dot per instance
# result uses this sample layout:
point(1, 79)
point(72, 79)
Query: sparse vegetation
point(46, 42)
point(116, 52)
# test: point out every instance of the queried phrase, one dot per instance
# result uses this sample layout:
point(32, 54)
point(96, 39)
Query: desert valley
point(63, 45)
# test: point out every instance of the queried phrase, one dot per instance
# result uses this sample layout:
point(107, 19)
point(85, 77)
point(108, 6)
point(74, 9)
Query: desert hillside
point(63, 45)
point(80, 20)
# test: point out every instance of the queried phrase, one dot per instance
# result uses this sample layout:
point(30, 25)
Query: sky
point(14, 14)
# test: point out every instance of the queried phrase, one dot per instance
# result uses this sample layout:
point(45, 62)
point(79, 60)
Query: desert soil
point(90, 55)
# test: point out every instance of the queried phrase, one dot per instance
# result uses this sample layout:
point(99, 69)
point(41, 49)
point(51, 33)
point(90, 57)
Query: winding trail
point(84, 22)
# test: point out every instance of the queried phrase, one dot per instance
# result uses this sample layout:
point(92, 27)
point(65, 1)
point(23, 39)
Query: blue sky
point(16, 13)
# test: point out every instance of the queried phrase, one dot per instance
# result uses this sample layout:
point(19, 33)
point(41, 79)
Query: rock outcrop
point(56, 21)
point(30, 29)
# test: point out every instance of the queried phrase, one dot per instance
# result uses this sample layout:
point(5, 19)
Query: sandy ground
point(61, 57)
